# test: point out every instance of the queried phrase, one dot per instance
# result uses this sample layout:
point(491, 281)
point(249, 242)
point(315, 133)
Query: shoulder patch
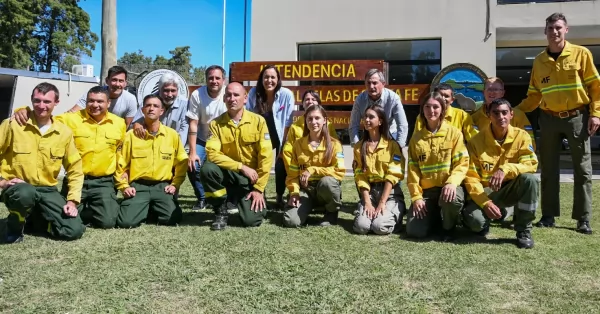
point(267, 136)
point(397, 158)
point(531, 148)
point(340, 155)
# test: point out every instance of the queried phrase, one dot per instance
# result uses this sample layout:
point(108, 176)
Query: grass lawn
point(189, 269)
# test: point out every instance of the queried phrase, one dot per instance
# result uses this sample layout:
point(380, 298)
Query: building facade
point(419, 38)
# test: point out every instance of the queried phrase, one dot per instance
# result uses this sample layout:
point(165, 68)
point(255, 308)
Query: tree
point(16, 29)
point(67, 62)
point(135, 58)
point(198, 77)
point(62, 28)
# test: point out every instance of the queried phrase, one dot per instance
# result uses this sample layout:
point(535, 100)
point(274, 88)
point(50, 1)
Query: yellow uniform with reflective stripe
point(519, 120)
point(513, 157)
point(248, 143)
point(152, 158)
point(384, 164)
point(304, 158)
point(36, 159)
point(457, 118)
point(435, 160)
point(565, 84)
point(297, 131)
point(97, 142)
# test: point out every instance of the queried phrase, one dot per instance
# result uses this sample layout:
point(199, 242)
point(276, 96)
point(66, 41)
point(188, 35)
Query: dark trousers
point(99, 206)
point(221, 184)
point(44, 207)
point(150, 200)
point(575, 130)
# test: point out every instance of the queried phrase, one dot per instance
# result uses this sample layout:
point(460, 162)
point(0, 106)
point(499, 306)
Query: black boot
point(524, 240)
point(201, 205)
point(330, 218)
point(583, 226)
point(221, 216)
point(545, 221)
point(447, 235)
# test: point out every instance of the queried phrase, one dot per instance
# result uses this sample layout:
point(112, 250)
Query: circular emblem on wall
point(467, 80)
point(149, 85)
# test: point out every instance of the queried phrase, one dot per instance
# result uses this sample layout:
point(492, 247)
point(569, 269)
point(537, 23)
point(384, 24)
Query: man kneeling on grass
point(239, 159)
point(501, 173)
point(149, 162)
point(30, 159)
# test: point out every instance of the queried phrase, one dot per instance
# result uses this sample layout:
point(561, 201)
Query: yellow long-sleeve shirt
point(152, 158)
point(457, 118)
point(36, 159)
point(385, 163)
point(248, 143)
point(565, 84)
point(513, 157)
point(297, 131)
point(519, 120)
point(436, 159)
point(313, 161)
point(97, 142)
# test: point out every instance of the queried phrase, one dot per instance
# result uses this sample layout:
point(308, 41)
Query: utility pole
point(109, 37)
point(223, 47)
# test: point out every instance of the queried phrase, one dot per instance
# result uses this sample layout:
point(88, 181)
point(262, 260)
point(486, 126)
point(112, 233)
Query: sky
point(157, 26)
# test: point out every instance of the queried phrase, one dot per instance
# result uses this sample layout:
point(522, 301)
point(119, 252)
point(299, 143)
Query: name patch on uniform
point(531, 148)
point(397, 158)
point(339, 155)
point(267, 136)
point(166, 156)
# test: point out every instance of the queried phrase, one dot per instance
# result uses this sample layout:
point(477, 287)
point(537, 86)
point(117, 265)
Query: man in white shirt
point(205, 104)
point(122, 102)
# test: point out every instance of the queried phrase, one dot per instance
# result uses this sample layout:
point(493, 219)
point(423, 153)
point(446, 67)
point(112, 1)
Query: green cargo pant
point(521, 192)
point(439, 213)
point(325, 193)
point(44, 205)
point(385, 222)
point(218, 182)
point(150, 200)
point(575, 130)
point(99, 206)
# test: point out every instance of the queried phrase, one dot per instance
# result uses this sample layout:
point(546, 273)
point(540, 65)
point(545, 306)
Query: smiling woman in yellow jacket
point(309, 98)
point(377, 167)
point(315, 172)
point(437, 165)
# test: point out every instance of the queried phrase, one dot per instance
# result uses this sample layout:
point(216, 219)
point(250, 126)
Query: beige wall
point(68, 96)
point(278, 26)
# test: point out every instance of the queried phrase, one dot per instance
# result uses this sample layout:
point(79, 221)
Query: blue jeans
point(194, 176)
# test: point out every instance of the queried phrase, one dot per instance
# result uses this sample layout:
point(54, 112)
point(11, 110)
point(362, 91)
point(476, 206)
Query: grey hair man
point(377, 93)
point(175, 109)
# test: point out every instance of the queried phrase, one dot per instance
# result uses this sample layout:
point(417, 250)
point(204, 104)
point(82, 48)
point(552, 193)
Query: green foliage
point(16, 30)
point(42, 34)
point(178, 61)
point(67, 63)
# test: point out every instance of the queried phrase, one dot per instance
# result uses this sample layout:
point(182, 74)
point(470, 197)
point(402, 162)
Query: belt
point(86, 177)
point(201, 142)
point(565, 114)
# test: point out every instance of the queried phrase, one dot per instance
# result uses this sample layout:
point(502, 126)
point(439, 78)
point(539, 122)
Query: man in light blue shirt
point(122, 102)
point(175, 109)
point(376, 93)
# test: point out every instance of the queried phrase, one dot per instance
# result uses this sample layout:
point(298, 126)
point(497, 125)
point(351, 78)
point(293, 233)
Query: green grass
point(189, 269)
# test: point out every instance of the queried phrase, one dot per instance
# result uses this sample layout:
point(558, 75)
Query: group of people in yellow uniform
point(459, 167)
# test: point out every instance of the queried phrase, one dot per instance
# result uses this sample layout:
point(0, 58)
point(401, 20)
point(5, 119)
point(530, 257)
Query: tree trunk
point(109, 37)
